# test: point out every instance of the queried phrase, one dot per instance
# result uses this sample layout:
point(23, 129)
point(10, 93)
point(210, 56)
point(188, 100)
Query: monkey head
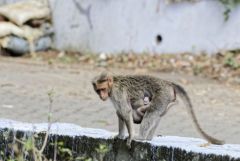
point(102, 85)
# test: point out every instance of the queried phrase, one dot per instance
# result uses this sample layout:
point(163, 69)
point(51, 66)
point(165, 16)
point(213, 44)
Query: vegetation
point(222, 66)
point(229, 6)
point(32, 146)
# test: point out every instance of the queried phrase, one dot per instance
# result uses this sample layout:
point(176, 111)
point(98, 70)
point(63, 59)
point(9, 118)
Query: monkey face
point(102, 90)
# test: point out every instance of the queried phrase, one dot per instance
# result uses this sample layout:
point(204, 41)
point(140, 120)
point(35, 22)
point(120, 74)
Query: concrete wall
point(113, 26)
point(100, 145)
point(132, 25)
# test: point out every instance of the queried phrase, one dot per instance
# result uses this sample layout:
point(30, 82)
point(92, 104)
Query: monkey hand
point(129, 141)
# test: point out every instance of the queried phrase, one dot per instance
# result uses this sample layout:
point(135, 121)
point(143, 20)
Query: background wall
point(134, 25)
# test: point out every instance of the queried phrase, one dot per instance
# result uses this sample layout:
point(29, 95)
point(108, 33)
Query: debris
point(8, 28)
point(102, 60)
point(25, 27)
point(23, 11)
point(7, 106)
point(19, 46)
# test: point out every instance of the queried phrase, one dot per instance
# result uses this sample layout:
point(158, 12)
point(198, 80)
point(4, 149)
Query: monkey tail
point(184, 96)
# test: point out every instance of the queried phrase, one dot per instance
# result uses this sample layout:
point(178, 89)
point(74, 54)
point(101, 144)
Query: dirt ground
point(25, 83)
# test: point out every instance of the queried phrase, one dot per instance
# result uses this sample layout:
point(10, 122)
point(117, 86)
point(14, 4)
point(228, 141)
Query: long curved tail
point(184, 96)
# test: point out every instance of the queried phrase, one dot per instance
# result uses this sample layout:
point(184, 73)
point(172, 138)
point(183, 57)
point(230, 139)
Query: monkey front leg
point(124, 111)
point(125, 119)
point(121, 127)
point(129, 123)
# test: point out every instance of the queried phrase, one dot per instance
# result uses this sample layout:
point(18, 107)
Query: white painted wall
point(114, 26)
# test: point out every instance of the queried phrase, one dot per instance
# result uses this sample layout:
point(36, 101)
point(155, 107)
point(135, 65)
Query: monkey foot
point(129, 141)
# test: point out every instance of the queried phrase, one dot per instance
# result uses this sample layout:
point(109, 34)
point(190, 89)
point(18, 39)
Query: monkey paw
point(129, 141)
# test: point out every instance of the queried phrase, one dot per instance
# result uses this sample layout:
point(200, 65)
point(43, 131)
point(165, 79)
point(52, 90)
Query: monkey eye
point(101, 89)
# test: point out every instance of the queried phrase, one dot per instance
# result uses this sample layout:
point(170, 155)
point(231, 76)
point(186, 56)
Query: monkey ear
point(94, 86)
point(110, 80)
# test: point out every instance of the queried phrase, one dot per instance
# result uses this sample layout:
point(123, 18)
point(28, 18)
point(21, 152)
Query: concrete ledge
point(100, 145)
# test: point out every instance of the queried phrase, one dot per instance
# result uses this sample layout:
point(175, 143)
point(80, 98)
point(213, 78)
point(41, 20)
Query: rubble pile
point(25, 27)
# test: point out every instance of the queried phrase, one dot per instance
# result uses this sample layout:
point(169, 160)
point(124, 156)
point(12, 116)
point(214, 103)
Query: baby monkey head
point(102, 85)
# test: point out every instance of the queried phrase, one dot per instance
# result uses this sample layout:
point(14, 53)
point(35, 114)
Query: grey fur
point(126, 91)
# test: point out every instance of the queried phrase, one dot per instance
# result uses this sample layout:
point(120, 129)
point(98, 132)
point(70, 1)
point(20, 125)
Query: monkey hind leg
point(171, 104)
point(149, 124)
point(153, 129)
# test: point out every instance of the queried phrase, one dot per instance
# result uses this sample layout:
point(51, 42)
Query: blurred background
point(61, 45)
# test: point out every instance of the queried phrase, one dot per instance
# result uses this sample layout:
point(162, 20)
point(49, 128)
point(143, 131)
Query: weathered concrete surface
point(133, 25)
point(84, 142)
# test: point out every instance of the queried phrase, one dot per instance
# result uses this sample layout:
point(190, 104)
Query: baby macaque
point(139, 107)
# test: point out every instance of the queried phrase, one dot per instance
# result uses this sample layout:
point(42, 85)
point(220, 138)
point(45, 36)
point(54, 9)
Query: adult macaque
point(126, 92)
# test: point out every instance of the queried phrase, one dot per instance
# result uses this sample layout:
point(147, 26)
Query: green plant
point(63, 152)
point(231, 62)
point(229, 5)
point(197, 69)
point(28, 146)
point(101, 151)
